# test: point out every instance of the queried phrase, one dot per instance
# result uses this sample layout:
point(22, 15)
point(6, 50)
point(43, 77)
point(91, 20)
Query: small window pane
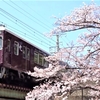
point(36, 57)
point(40, 59)
point(0, 42)
point(8, 45)
point(46, 64)
point(28, 54)
point(16, 48)
point(32, 56)
point(24, 52)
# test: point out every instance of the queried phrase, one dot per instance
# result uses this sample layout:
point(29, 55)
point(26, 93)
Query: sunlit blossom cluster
point(86, 16)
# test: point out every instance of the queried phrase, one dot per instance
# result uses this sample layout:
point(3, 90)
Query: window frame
point(16, 44)
point(46, 63)
point(9, 45)
point(1, 42)
point(36, 59)
point(40, 59)
point(26, 52)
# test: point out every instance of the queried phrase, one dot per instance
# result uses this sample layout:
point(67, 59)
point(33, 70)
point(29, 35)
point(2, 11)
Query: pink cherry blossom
point(82, 67)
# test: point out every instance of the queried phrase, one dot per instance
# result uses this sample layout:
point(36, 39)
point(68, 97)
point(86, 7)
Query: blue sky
point(32, 19)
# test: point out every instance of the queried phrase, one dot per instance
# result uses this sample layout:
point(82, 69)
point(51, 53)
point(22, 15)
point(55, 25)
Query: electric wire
point(21, 26)
point(22, 12)
point(16, 30)
point(15, 17)
point(31, 15)
point(23, 23)
point(19, 21)
point(25, 35)
point(38, 15)
point(25, 14)
point(35, 12)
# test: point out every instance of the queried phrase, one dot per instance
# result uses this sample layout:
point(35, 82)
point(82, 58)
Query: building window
point(40, 59)
point(45, 64)
point(0, 42)
point(8, 45)
point(24, 52)
point(36, 57)
point(28, 54)
point(16, 48)
point(32, 56)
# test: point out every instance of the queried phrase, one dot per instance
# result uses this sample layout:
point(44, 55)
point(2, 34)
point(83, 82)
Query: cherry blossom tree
point(82, 67)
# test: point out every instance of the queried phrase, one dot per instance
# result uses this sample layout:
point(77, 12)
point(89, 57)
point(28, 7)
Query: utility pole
point(56, 48)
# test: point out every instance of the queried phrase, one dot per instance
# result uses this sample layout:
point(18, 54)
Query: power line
point(18, 21)
point(39, 21)
point(24, 14)
point(19, 11)
point(34, 11)
point(21, 26)
point(31, 15)
point(22, 23)
point(37, 14)
point(16, 30)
